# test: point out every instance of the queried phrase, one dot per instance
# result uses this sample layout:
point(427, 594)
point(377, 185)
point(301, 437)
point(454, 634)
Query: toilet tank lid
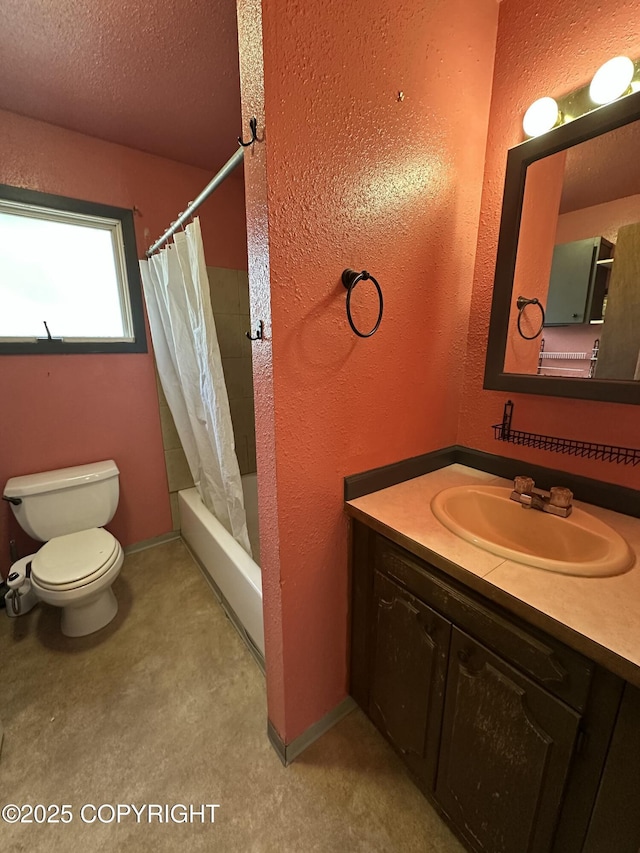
point(61, 478)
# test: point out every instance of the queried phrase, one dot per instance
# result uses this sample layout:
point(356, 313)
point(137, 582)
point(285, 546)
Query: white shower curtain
point(185, 344)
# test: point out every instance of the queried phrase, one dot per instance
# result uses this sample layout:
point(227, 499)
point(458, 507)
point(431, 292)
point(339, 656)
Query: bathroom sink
point(578, 545)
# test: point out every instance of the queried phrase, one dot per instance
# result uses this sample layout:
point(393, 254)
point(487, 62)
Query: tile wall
point(230, 303)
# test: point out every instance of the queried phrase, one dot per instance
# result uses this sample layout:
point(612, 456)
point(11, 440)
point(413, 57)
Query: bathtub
point(235, 577)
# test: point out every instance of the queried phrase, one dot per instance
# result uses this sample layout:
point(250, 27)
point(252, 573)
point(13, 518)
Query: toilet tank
point(67, 500)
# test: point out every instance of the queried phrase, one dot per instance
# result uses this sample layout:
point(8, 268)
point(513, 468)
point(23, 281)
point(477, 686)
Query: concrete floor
point(167, 706)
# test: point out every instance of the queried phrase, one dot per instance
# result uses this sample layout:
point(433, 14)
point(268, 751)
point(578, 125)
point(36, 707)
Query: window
point(69, 277)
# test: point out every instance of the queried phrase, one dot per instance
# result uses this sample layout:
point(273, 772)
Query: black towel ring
point(521, 304)
point(350, 278)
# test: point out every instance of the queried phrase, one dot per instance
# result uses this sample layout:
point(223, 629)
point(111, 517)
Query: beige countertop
point(599, 617)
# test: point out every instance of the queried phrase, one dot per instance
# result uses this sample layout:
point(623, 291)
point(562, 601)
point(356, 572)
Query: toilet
point(75, 568)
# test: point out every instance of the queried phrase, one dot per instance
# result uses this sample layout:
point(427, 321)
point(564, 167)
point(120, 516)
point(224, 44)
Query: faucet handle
point(523, 485)
point(560, 496)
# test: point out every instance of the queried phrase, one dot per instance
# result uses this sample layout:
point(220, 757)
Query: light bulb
point(541, 116)
point(611, 80)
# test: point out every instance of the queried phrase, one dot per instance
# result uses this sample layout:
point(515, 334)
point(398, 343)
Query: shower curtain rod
point(213, 184)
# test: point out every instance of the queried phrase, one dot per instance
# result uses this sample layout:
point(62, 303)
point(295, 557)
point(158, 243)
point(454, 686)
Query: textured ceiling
point(602, 169)
point(161, 77)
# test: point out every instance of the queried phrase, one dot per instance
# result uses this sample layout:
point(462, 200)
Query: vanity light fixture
point(541, 116)
point(618, 77)
point(611, 80)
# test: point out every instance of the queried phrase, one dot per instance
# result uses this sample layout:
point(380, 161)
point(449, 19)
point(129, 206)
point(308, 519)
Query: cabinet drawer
point(563, 672)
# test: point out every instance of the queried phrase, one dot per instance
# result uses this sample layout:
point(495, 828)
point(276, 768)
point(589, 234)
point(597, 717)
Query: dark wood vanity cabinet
point(409, 670)
point(615, 822)
point(505, 729)
point(505, 750)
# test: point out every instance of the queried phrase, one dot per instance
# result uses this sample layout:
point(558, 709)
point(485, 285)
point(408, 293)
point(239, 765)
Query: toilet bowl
point(75, 568)
point(75, 572)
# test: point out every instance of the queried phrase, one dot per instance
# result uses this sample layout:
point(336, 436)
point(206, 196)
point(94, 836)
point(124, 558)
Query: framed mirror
point(569, 244)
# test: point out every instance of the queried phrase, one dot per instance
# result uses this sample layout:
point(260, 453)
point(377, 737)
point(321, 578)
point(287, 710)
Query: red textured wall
point(543, 48)
point(593, 173)
point(540, 206)
point(601, 220)
point(67, 410)
point(351, 174)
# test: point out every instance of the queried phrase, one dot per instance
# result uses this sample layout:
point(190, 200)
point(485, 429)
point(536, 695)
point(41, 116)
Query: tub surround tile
point(170, 437)
point(230, 303)
point(245, 343)
point(242, 416)
point(251, 455)
point(175, 511)
point(243, 291)
point(162, 400)
point(223, 286)
point(242, 413)
point(242, 454)
point(228, 329)
point(178, 472)
point(597, 616)
point(238, 378)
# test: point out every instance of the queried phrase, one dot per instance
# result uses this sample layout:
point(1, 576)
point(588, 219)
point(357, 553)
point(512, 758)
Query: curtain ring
point(521, 304)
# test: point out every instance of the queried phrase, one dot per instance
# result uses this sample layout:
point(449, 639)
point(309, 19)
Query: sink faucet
point(557, 501)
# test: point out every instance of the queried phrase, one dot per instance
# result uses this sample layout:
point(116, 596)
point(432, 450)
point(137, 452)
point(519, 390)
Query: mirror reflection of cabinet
point(578, 282)
point(620, 342)
point(602, 144)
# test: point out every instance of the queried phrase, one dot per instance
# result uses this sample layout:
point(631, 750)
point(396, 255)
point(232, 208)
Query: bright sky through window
point(62, 273)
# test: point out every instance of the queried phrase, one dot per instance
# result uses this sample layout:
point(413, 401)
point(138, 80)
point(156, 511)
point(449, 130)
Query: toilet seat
point(75, 560)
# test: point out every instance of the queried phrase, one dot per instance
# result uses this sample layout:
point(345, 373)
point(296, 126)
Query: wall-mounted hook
point(259, 333)
point(253, 124)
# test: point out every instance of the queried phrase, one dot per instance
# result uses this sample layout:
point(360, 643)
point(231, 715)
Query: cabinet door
point(408, 675)
point(615, 823)
point(505, 753)
point(570, 285)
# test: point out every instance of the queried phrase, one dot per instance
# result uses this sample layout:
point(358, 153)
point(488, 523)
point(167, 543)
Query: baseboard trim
point(151, 543)
point(290, 751)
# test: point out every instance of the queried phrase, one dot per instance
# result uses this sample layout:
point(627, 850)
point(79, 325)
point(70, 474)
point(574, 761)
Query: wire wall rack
point(590, 357)
point(587, 449)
